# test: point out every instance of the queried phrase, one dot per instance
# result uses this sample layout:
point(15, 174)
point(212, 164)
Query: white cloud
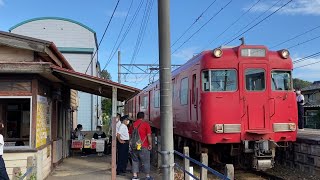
point(187, 53)
point(305, 7)
point(118, 14)
point(1, 2)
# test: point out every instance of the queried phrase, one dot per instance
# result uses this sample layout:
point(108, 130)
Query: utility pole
point(119, 67)
point(165, 90)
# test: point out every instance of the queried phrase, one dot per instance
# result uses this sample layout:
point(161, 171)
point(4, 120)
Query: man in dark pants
point(300, 102)
point(123, 149)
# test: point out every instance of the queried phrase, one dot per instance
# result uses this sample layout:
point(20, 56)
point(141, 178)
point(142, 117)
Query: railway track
point(255, 175)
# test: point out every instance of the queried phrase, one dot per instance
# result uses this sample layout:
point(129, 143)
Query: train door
point(149, 106)
point(194, 99)
point(254, 97)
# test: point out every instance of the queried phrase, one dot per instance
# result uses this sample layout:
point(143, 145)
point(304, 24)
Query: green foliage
point(299, 83)
point(105, 74)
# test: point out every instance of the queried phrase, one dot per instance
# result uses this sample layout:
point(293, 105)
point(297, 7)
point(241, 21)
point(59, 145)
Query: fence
point(229, 171)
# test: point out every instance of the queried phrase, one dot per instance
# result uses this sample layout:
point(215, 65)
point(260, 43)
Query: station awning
point(93, 85)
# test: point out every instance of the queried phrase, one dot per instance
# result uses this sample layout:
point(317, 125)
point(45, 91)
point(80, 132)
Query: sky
point(214, 23)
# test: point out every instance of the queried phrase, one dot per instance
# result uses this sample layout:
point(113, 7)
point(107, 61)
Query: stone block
point(315, 150)
point(305, 148)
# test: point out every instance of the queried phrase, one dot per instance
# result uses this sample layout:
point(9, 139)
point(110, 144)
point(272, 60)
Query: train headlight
point(218, 128)
point(285, 53)
point(292, 126)
point(217, 52)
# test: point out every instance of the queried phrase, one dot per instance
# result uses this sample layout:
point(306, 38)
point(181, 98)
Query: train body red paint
point(243, 99)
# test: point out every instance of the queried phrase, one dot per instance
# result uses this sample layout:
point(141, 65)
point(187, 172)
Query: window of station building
point(281, 80)
point(184, 91)
point(255, 79)
point(219, 80)
point(156, 98)
point(15, 114)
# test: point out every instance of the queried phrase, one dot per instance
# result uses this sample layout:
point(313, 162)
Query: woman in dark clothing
point(3, 171)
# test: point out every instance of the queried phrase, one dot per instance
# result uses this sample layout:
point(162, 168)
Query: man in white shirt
point(123, 149)
point(300, 103)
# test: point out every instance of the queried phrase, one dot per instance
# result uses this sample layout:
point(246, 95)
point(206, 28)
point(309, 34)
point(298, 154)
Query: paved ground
point(89, 168)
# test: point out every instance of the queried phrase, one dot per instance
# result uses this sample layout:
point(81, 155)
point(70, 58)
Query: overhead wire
point(120, 32)
point(194, 22)
point(126, 32)
point(104, 33)
point(259, 22)
point(295, 37)
point(233, 23)
point(201, 27)
point(303, 42)
point(306, 57)
point(252, 21)
point(142, 30)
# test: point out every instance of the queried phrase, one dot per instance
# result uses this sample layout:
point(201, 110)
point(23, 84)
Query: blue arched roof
point(56, 18)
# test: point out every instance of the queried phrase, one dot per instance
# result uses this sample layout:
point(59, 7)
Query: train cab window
point(219, 80)
point(255, 79)
point(281, 80)
point(184, 91)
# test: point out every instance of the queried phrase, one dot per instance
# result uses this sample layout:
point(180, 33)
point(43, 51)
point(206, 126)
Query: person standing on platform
point(141, 148)
point(123, 149)
point(300, 102)
point(3, 171)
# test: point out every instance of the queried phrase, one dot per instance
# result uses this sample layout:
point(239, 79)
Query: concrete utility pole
point(119, 67)
point(165, 90)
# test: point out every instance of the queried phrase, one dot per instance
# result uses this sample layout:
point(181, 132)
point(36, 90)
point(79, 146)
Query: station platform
point(92, 167)
point(304, 154)
point(309, 136)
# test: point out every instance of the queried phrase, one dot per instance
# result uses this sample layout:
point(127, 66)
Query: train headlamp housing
point(218, 128)
point(284, 54)
point(292, 126)
point(217, 52)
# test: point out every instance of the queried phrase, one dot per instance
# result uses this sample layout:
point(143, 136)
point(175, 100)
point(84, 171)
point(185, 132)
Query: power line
point(309, 63)
point(243, 28)
point(301, 34)
point(126, 32)
point(306, 57)
point(303, 42)
point(142, 30)
point(259, 22)
point(195, 21)
point(114, 10)
point(125, 20)
point(233, 23)
point(201, 27)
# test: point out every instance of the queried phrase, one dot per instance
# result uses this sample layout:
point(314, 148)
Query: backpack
point(135, 141)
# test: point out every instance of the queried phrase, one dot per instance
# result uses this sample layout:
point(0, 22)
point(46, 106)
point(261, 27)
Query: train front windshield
point(281, 80)
point(219, 80)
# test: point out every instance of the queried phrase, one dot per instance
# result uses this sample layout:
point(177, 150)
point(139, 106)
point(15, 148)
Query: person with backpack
point(123, 148)
point(141, 145)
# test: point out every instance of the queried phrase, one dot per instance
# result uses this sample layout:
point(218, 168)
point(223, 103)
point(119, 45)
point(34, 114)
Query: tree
point(105, 74)
point(106, 103)
point(299, 83)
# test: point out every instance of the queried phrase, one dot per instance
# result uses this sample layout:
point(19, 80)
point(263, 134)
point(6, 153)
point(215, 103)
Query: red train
point(236, 103)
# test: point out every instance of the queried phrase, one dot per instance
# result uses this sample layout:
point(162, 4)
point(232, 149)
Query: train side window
point(156, 98)
point(255, 79)
point(184, 86)
point(281, 80)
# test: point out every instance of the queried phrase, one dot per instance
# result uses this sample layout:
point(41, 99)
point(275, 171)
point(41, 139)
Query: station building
point(36, 102)
point(78, 43)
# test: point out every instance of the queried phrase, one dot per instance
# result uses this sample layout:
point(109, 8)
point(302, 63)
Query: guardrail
point(186, 168)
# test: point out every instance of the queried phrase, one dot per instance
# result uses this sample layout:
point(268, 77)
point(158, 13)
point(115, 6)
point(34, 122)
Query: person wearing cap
point(123, 148)
point(300, 102)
